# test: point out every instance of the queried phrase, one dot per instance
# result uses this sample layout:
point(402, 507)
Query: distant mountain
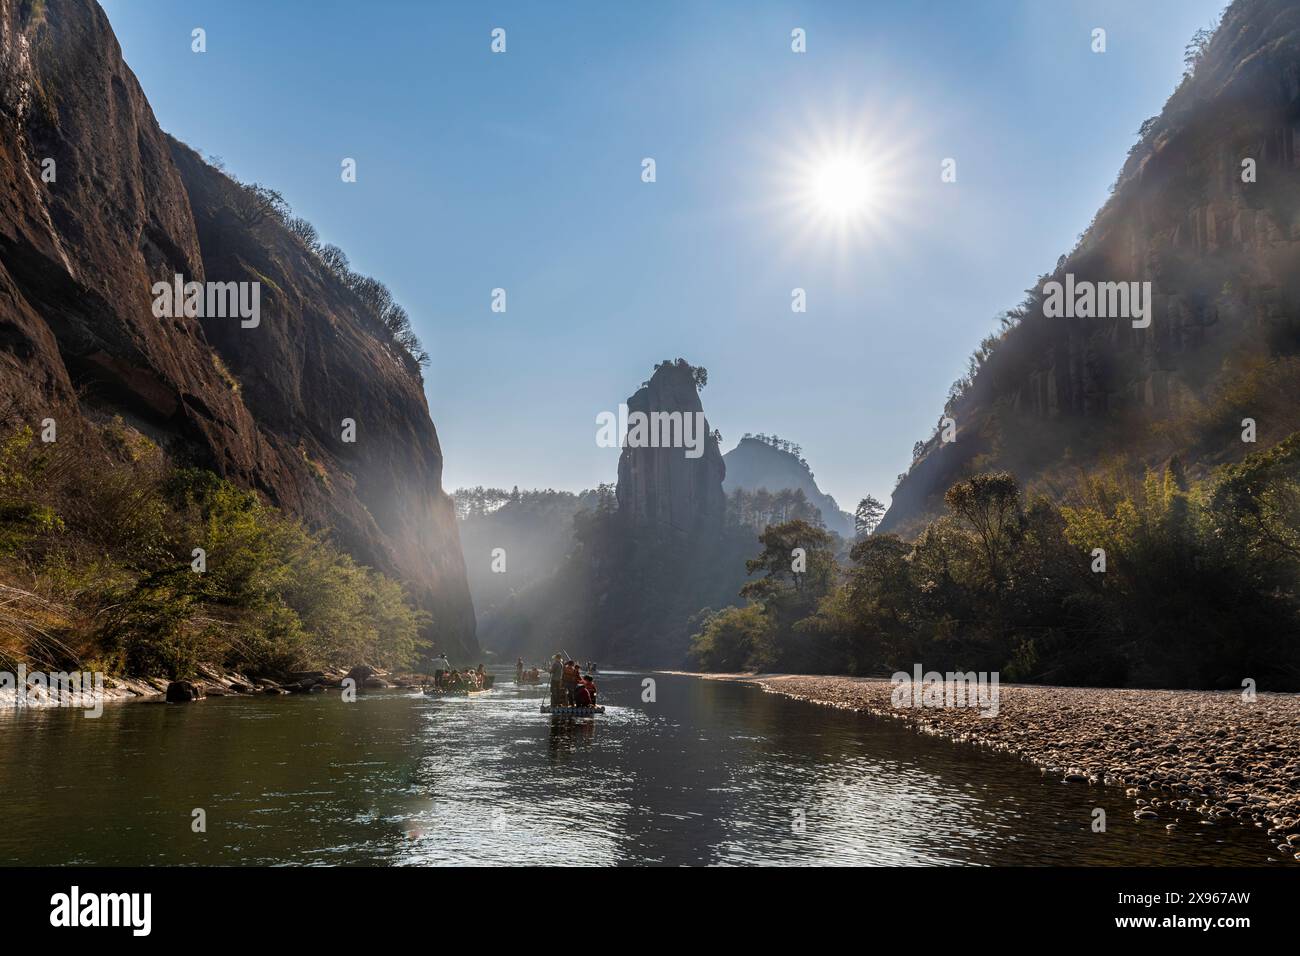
point(758, 463)
point(1206, 210)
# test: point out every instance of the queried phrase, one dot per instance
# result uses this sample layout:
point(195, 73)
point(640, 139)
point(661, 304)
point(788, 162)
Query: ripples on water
point(711, 773)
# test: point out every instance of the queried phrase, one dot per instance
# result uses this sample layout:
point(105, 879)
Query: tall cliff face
point(640, 564)
point(264, 406)
point(1217, 237)
point(661, 487)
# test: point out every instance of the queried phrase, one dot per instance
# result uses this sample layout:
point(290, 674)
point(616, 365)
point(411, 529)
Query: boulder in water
point(183, 691)
point(361, 673)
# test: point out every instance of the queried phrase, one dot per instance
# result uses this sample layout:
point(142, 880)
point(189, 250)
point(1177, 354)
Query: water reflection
point(711, 773)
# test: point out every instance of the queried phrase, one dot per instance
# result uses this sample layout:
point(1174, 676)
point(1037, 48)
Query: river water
point(711, 772)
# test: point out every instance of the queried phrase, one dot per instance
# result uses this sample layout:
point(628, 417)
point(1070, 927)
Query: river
point(710, 772)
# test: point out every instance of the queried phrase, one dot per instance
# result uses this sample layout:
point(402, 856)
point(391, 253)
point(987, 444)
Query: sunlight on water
point(712, 773)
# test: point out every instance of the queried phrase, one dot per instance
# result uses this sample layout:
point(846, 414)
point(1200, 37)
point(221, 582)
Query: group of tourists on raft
point(448, 678)
point(570, 687)
point(526, 675)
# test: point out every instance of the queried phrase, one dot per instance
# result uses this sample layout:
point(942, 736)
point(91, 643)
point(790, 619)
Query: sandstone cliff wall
point(262, 406)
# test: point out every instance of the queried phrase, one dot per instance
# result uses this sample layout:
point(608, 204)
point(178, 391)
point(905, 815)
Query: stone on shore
point(184, 691)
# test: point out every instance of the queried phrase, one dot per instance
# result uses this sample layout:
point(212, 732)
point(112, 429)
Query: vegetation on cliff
point(1162, 582)
point(99, 568)
point(617, 572)
point(268, 407)
point(256, 207)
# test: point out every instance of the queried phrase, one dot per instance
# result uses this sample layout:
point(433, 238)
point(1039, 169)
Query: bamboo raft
point(458, 692)
point(572, 711)
point(461, 691)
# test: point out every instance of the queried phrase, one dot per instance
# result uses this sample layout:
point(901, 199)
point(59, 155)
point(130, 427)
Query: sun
point(841, 187)
point(838, 191)
point(840, 178)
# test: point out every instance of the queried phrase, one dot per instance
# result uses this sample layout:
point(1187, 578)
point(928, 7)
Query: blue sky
point(522, 170)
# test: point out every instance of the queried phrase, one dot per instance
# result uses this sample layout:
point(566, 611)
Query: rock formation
point(641, 563)
point(663, 488)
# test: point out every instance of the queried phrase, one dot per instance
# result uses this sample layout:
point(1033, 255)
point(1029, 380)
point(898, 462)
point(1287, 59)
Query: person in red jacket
point(581, 695)
point(590, 686)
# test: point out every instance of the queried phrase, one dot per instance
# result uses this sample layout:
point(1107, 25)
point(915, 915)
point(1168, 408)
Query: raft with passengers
point(449, 682)
point(526, 676)
point(573, 692)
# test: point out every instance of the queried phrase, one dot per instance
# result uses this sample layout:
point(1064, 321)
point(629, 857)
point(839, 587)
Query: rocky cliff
point(1207, 210)
point(665, 488)
point(641, 562)
point(97, 205)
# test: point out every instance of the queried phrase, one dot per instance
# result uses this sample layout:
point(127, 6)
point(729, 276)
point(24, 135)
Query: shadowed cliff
point(665, 490)
point(1051, 398)
point(127, 207)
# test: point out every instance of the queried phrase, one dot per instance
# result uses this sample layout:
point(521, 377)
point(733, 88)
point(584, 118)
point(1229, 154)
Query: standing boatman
point(440, 666)
point(557, 680)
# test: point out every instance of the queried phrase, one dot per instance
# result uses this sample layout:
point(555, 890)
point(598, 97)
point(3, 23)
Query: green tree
point(867, 516)
point(734, 639)
point(989, 504)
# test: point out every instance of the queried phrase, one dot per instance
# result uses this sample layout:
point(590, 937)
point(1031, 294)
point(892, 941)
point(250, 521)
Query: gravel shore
point(1182, 756)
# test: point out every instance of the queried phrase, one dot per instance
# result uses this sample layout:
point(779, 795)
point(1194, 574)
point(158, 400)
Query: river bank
point(38, 689)
point(1184, 757)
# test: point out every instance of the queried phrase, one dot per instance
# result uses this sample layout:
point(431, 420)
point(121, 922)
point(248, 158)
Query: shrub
point(101, 521)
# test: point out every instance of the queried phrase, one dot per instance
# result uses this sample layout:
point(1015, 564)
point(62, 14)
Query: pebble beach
point(1183, 757)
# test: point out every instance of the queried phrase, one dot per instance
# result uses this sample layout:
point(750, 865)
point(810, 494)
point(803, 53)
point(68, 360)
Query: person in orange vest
point(570, 682)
